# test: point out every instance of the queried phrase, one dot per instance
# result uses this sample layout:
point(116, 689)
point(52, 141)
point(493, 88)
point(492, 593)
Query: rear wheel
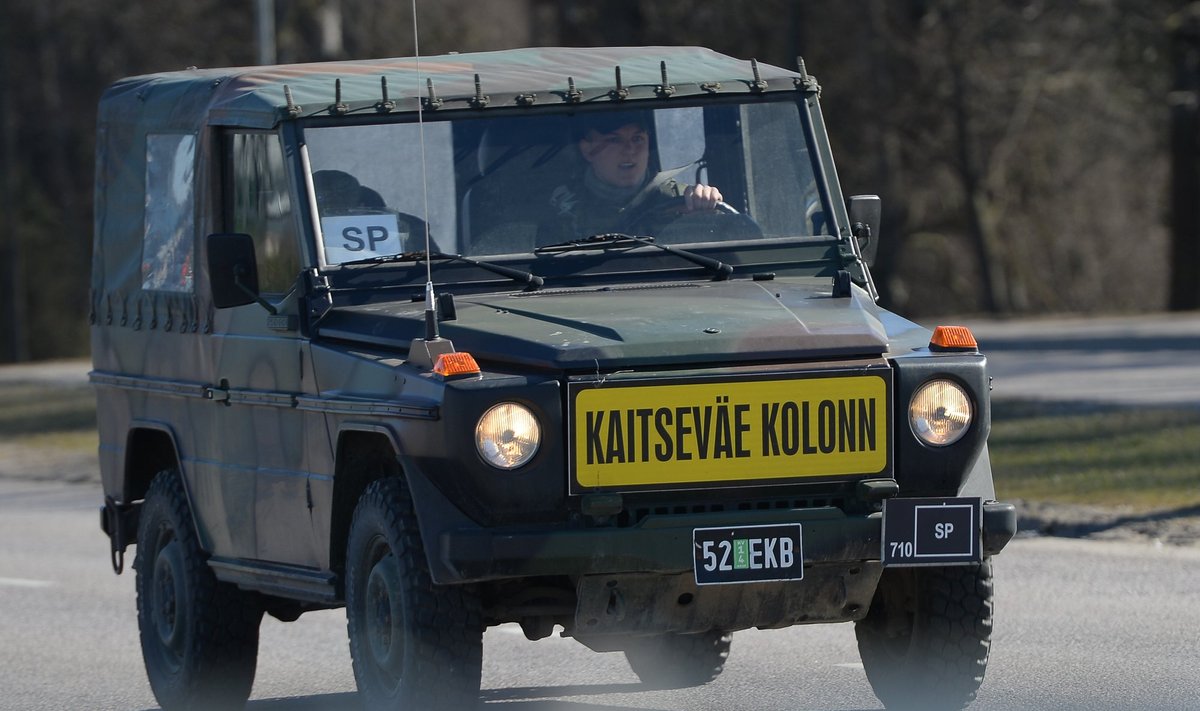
point(415, 645)
point(673, 661)
point(926, 639)
point(199, 636)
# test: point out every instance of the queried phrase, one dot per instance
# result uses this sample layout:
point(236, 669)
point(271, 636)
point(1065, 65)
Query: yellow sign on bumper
point(639, 433)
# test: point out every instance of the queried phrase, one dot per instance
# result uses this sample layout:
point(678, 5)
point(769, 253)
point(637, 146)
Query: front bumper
point(663, 544)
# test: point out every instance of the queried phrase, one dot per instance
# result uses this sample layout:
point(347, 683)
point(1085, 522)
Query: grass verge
point(48, 416)
point(1146, 458)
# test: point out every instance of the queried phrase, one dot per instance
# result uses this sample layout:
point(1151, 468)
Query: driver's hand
point(701, 197)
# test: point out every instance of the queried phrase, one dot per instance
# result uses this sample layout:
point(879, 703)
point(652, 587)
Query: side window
point(170, 213)
point(259, 204)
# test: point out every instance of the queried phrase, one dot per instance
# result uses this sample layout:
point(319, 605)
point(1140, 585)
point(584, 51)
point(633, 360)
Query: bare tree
point(1020, 145)
point(1033, 153)
point(13, 333)
point(1185, 159)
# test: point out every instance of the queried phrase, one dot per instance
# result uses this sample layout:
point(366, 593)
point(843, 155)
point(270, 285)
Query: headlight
point(939, 413)
point(507, 435)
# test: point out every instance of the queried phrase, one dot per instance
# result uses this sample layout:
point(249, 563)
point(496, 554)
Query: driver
point(616, 188)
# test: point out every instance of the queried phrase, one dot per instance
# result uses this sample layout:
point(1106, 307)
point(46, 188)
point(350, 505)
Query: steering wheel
point(669, 220)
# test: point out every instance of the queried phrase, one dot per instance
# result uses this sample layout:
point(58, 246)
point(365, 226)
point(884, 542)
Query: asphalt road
point(1135, 360)
point(1151, 359)
point(1141, 361)
point(1079, 625)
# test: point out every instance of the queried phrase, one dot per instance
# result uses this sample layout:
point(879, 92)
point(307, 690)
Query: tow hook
point(119, 522)
point(874, 491)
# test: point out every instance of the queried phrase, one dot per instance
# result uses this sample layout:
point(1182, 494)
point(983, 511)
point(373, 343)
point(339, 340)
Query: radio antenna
point(431, 325)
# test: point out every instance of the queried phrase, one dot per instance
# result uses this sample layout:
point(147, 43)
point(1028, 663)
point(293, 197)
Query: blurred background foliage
point(1023, 148)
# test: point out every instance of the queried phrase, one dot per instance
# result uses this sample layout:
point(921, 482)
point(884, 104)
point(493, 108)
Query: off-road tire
point(675, 661)
point(415, 645)
point(926, 639)
point(199, 636)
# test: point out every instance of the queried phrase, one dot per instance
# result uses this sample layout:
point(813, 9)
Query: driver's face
point(619, 158)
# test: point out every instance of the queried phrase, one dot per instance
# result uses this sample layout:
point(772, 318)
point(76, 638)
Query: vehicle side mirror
point(865, 213)
point(233, 271)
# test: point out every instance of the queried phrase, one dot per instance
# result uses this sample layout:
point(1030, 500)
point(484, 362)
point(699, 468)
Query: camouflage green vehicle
point(584, 340)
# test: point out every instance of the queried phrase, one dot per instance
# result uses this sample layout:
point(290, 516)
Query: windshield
point(512, 184)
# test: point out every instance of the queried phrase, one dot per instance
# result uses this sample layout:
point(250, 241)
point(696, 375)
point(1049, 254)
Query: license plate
point(748, 554)
point(932, 531)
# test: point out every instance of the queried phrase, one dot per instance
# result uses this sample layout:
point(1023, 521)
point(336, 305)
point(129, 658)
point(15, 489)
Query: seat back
point(521, 161)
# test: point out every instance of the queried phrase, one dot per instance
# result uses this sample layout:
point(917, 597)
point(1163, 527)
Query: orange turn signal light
point(953, 338)
point(451, 364)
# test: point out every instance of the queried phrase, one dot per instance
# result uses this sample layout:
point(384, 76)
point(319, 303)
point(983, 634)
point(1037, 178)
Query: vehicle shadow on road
point(346, 701)
point(539, 698)
point(532, 698)
point(545, 698)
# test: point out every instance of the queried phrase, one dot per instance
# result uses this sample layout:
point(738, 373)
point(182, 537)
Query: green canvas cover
point(187, 103)
point(254, 96)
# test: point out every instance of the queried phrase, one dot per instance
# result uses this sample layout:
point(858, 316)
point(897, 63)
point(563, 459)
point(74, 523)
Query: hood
point(627, 326)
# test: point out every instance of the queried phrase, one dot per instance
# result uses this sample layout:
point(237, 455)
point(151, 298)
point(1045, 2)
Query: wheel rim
point(168, 608)
point(384, 617)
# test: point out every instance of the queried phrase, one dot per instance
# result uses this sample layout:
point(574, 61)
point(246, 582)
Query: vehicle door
point(261, 363)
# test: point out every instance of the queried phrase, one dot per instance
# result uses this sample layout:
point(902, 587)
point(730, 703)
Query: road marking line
point(25, 583)
point(850, 665)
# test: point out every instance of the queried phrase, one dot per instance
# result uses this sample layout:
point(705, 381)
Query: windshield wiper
point(606, 240)
point(531, 281)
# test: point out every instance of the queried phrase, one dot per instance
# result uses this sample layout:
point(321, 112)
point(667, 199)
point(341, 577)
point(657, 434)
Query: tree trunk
point(14, 339)
point(979, 227)
point(1185, 161)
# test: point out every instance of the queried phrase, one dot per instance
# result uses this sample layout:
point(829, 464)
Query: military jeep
point(341, 360)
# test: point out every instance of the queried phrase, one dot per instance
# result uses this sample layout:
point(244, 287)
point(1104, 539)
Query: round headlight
point(940, 413)
point(507, 435)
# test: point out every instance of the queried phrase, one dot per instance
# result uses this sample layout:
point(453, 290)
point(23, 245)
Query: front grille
point(636, 513)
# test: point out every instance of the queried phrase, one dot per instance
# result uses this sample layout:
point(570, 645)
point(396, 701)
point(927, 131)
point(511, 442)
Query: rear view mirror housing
point(865, 211)
point(232, 270)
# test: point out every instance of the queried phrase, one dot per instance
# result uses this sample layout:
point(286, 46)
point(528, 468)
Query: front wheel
point(199, 636)
point(926, 639)
point(414, 645)
point(673, 661)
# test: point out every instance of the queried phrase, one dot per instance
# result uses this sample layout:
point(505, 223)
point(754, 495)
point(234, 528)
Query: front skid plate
point(651, 604)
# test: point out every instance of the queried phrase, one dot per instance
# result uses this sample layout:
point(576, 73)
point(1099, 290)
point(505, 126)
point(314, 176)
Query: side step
point(286, 581)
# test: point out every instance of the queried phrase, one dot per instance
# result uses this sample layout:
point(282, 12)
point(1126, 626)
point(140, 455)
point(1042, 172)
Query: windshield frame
point(817, 148)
